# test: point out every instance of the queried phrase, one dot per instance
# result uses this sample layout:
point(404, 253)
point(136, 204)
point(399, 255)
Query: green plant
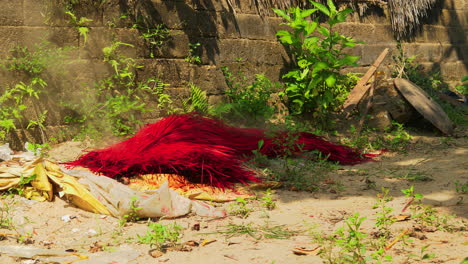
point(193, 58)
point(131, 216)
point(267, 200)
point(463, 88)
point(247, 103)
point(38, 149)
point(316, 87)
point(155, 37)
point(161, 236)
point(33, 68)
point(384, 219)
point(197, 102)
point(21, 186)
point(80, 24)
point(119, 100)
point(461, 187)
point(259, 231)
point(6, 208)
point(241, 208)
point(350, 240)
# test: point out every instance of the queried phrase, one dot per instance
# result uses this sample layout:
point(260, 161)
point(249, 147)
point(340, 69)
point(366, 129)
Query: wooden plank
point(367, 107)
point(424, 104)
point(361, 87)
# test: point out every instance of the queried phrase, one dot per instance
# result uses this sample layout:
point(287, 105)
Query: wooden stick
point(361, 88)
point(400, 236)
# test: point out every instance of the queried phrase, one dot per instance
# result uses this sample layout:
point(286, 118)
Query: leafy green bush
point(31, 65)
point(247, 103)
point(316, 86)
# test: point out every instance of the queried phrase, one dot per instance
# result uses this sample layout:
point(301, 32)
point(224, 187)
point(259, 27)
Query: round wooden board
point(425, 105)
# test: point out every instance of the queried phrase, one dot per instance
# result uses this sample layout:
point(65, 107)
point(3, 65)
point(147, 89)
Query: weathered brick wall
point(242, 40)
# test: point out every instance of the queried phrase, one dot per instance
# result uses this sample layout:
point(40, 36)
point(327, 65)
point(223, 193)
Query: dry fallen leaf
point(400, 218)
point(192, 243)
point(207, 241)
point(155, 253)
point(306, 251)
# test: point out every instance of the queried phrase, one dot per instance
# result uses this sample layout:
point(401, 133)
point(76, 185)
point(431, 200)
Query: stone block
point(177, 46)
point(456, 4)
point(209, 79)
point(97, 39)
point(453, 18)
point(452, 53)
point(209, 5)
point(44, 13)
point(371, 52)
point(255, 27)
point(60, 36)
point(454, 71)
point(423, 52)
point(356, 31)
point(383, 34)
point(10, 37)
point(439, 34)
point(253, 51)
point(175, 72)
point(11, 13)
point(227, 25)
point(175, 15)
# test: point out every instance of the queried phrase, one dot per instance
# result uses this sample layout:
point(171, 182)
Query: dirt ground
point(444, 160)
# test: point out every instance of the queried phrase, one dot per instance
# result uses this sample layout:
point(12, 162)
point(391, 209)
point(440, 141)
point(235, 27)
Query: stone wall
point(242, 40)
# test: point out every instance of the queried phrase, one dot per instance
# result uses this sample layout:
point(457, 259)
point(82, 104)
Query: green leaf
point(310, 28)
point(307, 13)
point(286, 39)
point(324, 31)
point(348, 60)
point(331, 6)
point(342, 15)
point(330, 80)
point(319, 66)
point(282, 14)
point(321, 7)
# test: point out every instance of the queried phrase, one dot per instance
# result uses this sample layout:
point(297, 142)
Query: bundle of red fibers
point(204, 150)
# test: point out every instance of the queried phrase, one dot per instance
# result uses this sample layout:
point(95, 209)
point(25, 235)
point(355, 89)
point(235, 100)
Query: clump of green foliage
point(316, 87)
point(31, 66)
point(119, 100)
point(81, 24)
point(197, 101)
point(161, 236)
point(193, 56)
point(247, 104)
point(241, 208)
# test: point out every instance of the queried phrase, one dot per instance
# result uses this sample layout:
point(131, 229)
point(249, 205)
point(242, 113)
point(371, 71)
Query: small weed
point(241, 208)
point(161, 236)
point(21, 186)
point(461, 187)
point(38, 149)
point(259, 232)
point(154, 37)
point(197, 102)
point(267, 201)
point(193, 58)
point(384, 219)
point(247, 104)
point(6, 208)
point(80, 24)
point(132, 216)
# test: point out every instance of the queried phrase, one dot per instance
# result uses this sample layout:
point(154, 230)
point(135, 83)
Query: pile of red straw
point(204, 150)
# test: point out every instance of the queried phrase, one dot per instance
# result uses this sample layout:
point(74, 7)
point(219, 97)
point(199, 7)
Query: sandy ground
point(445, 161)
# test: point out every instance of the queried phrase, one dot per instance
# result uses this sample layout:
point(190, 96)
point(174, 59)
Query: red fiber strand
point(204, 150)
